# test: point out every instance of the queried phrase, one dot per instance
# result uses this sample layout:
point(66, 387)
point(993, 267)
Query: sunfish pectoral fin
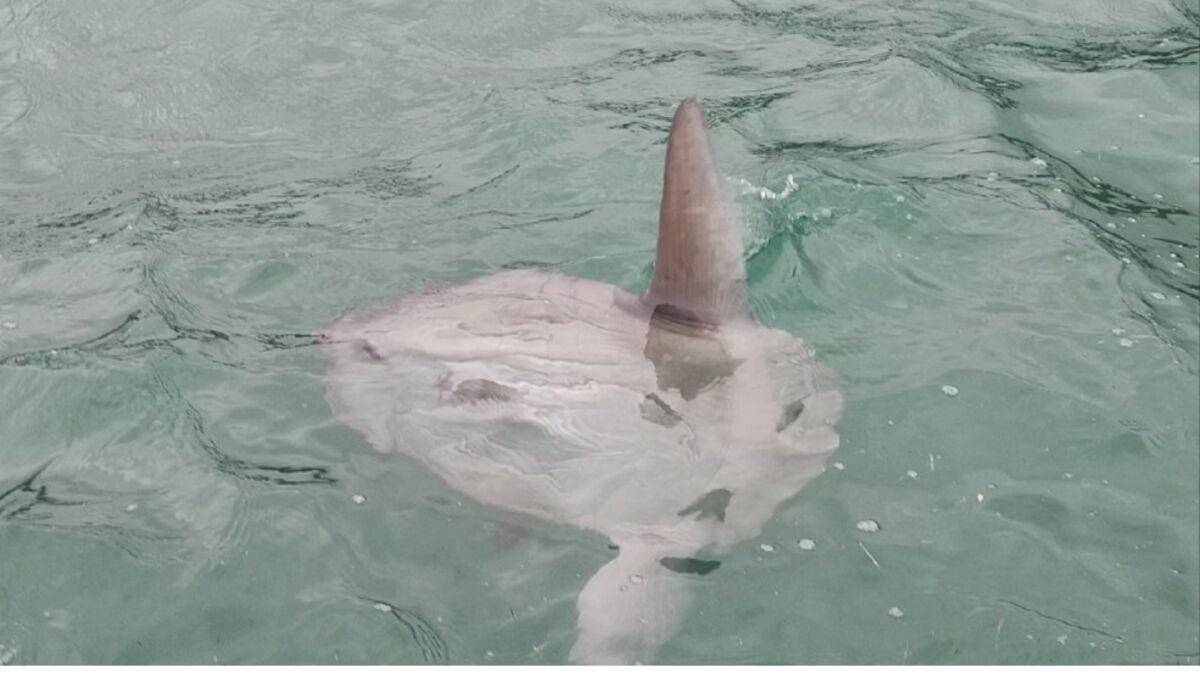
point(699, 273)
point(631, 605)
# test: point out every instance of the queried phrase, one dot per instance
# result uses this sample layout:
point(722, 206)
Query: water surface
point(983, 215)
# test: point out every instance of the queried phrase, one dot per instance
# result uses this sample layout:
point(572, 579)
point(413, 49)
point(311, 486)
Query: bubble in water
point(1118, 331)
point(789, 186)
point(636, 579)
point(900, 198)
point(10, 325)
point(868, 525)
point(949, 390)
point(839, 466)
point(1126, 343)
point(992, 175)
point(1158, 196)
point(911, 474)
point(1038, 161)
point(359, 499)
point(1111, 226)
point(767, 548)
point(1155, 295)
point(896, 613)
point(826, 212)
point(807, 544)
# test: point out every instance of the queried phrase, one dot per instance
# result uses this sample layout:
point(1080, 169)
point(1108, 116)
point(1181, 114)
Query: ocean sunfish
point(670, 422)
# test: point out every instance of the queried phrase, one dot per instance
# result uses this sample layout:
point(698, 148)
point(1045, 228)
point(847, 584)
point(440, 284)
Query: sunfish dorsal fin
point(699, 273)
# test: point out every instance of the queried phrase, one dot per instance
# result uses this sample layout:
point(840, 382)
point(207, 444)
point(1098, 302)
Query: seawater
point(983, 215)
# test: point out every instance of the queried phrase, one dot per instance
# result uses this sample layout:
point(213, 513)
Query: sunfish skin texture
point(670, 422)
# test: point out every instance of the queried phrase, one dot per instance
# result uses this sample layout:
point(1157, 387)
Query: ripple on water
point(975, 195)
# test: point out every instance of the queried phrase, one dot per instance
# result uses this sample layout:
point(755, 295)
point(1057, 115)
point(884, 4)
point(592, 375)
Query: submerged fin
point(699, 273)
point(481, 390)
point(689, 565)
point(632, 604)
point(658, 411)
point(684, 360)
point(711, 504)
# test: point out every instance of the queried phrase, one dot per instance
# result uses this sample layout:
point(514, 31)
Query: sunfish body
point(669, 422)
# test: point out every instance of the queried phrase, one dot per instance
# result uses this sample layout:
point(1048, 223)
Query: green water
point(998, 197)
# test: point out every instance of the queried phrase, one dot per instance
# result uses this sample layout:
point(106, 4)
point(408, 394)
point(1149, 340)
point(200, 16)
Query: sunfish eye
point(790, 414)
